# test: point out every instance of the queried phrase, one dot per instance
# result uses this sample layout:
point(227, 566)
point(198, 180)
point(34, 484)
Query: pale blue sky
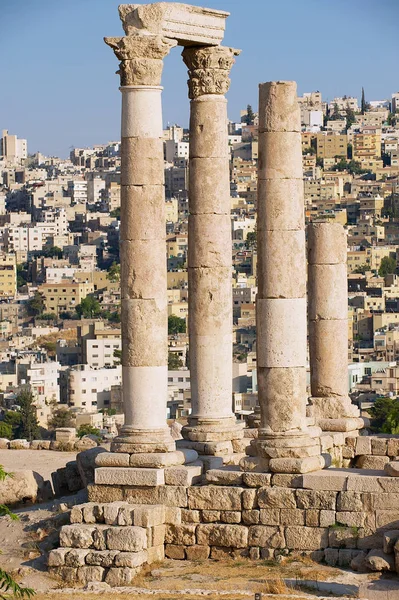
point(58, 86)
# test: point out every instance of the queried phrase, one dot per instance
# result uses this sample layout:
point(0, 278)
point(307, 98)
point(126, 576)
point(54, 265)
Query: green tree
point(114, 272)
point(174, 362)
point(361, 269)
point(250, 116)
point(13, 419)
point(387, 266)
point(35, 305)
point(28, 427)
point(176, 325)
point(251, 239)
point(385, 415)
point(52, 252)
point(335, 114)
point(22, 275)
point(349, 151)
point(9, 588)
point(89, 307)
point(118, 355)
point(87, 430)
point(363, 102)
point(350, 117)
point(61, 417)
point(5, 430)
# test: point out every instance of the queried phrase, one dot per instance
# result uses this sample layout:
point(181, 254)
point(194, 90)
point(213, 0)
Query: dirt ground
point(25, 543)
point(43, 462)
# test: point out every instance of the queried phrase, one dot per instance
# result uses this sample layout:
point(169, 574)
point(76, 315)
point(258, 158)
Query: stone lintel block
point(211, 241)
point(129, 476)
point(159, 460)
point(142, 212)
point(142, 161)
point(327, 244)
point(284, 320)
point(214, 497)
point(367, 480)
point(280, 273)
point(225, 476)
point(330, 479)
point(208, 127)
point(280, 155)
point(189, 25)
point(280, 205)
point(112, 459)
point(183, 475)
point(296, 465)
point(278, 107)
point(345, 424)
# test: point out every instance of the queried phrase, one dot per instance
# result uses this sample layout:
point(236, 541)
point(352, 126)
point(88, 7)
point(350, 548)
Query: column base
point(335, 413)
point(253, 420)
point(213, 430)
point(139, 441)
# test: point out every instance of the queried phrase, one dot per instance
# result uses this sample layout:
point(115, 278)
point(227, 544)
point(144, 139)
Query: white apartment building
point(99, 353)
point(94, 187)
point(12, 149)
point(89, 390)
point(344, 103)
point(87, 255)
point(43, 381)
point(23, 239)
point(395, 102)
point(77, 190)
point(59, 274)
point(175, 150)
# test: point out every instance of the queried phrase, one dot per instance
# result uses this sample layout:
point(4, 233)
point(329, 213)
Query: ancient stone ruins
point(286, 482)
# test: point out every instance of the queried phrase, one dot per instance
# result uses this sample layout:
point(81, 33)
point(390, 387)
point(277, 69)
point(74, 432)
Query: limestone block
point(141, 112)
point(190, 516)
point(328, 293)
point(175, 552)
point(156, 535)
point(379, 446)
point(184, 475)
point(76, 536)
point(270, 516)
point(369, 482)
point(287, 480)
point(210, 311)
point(100, 537)
point(256, 480)
point(208, 126)
point(372, 462)
point(125, 515)
point(129, 476)
point(378, 560)
point(120, 576)
point(225, 476)
point(56, 558)
point(142, 160)
point(389, 540)
point(4, 443)
point(387, 484)
point(327, 244)
point(87, 575)
point(351, 519)
point(197, 552)
point(325, 500)
point(101, 558)
point(278, 107)
point(66, 574)
point(104, 493)
point(266, 537)
point(210, 516)
point(209, 186)
point(112, 459)
point(234, 536)
point(285, 279)
point(180, 534)
point(126, 539)
point(280, 205)
point(357, 563)
point(249, 499)
point(149, 516)
point(19, 445)
point(250, 517)
point(345, 557)
point(142, 212)
point(280, 155)
point(306, 538)
point(350, 501)
point(276, 498)
point(296, 465)
point(173, 515)
point(313, 518)
point(286, 345)
point(169, 495)
point(230, 516)
point(239, 446)
point(141, 264)
point(156, 554)
point(328, 368)
point(211, 241)
point(384, 518)
point(331, 556)
point(325, 480)
point(290, 516)
point(76, 515)
point(158, 460)
point(76, 557)
point(393, 447)
point(392, 468)
point(111, 512)
point(342, 537)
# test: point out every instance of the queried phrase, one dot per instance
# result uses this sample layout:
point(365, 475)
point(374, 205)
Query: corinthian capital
point(209, 68)
point(141, 57)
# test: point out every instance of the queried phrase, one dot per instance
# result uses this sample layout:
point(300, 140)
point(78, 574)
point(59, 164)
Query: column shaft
point(328, 326)
point(284, 444)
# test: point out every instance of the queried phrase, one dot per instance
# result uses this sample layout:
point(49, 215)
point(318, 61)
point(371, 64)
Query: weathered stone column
point(284, 443)
point(328, 328)
point(142, 246)
point(210, 251)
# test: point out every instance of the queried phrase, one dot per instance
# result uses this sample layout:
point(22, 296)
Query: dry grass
point(275, 586)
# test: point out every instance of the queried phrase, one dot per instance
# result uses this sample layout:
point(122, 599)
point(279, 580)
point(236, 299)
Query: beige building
point(64, 297)
point(12, 149)
point(90, 390)
point(367, 144)
point(8, 275)
point(330, 146)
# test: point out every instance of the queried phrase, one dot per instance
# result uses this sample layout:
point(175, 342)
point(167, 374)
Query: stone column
point(142, 246)
point(284, 443)
point(328, 328)
point(210, 251)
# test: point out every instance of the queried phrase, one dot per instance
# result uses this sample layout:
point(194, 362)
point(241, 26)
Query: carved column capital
point(141, 57)
point(209, 68)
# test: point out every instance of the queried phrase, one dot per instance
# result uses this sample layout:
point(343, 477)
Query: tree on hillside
point(363, 102)
point(350, 117)
point(176, 325)
point(35, 305)
point(174, 362)
point(28, 427)
point(385, 415)
point(251, 239)
point(114, 272)
point(61, 417)
point(387, 266)
point(335, 115)
point(88, 430)
point(88, 308)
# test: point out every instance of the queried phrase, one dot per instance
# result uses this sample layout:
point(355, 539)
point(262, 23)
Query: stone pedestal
point(142, 247)
point(284, 443)
point(210, 251)
point(328, 328)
